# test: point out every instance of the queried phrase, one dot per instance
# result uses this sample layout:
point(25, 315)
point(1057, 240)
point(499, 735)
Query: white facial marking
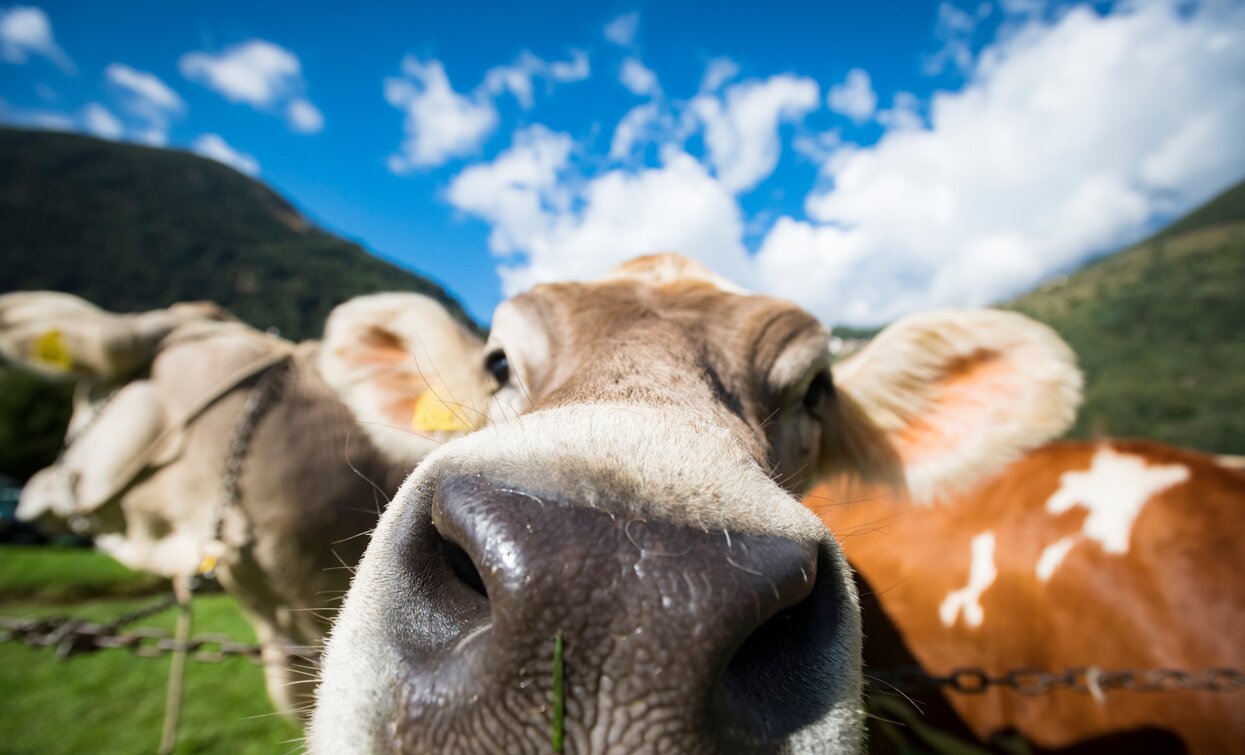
point(1114, 490)
point(981, 574)
point(1052, 556)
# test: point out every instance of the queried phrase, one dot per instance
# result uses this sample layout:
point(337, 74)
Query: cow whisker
point(869, 679)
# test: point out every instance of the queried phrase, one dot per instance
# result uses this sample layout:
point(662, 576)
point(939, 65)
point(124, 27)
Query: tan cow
point(631, 500)
point(144, 471)
point(1117, 555)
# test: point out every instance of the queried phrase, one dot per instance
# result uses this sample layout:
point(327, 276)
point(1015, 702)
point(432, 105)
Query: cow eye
point(498, 365)
point(818, 391)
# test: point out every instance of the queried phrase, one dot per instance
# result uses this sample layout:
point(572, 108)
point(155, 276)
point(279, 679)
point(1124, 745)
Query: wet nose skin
point(676, 639)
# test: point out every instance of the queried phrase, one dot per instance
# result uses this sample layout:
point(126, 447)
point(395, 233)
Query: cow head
point(626, 483)
point(62, 335)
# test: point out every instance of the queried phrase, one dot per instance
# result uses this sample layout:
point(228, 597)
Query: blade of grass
point(559, 695)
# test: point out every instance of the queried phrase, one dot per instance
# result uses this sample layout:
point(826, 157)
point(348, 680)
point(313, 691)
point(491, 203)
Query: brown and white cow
point(142, 472)
point(1114, 554)
point(632, 494)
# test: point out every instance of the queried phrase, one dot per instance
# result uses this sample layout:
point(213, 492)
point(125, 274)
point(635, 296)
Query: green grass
point(57, 574)
point(111, 701)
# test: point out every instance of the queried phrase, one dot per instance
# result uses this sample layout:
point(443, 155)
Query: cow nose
point(664, 624)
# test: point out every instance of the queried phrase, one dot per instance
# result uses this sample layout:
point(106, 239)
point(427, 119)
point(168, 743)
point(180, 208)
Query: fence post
point(177, 666)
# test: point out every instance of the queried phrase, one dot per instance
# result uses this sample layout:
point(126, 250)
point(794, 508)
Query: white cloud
point(622, 29)
point(146, 87)
point(100, 121)
point(575, 69)
point(26, 31)
point(638, 78)
point(854, 97)
point(535, 210)
point(440, 122)
point(148, 102)
point(741, 128)
point(819, 147)
point(214, 147)
point(954, 29)
point(903, 114)
point(516, 192)
point(259, 73)
point(1071, 137)
point(304, 117)
point(718, 71)
point(632, 128)
point(517, 77)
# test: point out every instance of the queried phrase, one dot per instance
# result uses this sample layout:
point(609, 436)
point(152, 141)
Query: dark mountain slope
point(133, 228)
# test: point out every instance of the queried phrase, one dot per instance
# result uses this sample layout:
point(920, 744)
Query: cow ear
point(943, 400)
point(64, 336)
point(410, 372)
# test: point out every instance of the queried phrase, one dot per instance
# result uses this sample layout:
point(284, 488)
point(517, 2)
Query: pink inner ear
point(394, 378)
point(974, 392)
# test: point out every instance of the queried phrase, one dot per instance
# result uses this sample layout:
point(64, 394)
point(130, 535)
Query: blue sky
point(863, 159)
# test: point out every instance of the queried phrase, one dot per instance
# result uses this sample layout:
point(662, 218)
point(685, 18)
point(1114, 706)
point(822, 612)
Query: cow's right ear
point(409, 371)
point(61, 335)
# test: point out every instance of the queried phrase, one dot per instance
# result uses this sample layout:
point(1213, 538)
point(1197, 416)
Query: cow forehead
point(642, 326)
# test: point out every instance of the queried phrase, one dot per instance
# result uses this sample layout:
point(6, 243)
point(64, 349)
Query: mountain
point(1159, 328)
point(134, 228)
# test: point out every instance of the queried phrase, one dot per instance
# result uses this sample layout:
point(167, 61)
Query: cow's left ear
point(410, 372)
point(943, 400)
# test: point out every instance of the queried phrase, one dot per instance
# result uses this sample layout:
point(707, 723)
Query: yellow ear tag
point(208, 565)
point(433, 415)
point(50, 350)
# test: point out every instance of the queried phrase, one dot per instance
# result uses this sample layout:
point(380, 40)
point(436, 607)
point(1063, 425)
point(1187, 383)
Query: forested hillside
point(133, 228)
point(1160, 331)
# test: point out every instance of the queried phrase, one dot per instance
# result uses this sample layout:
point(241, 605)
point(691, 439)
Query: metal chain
point(144, 642)
point(212, 648)
point(257, 401)
point(1090, 680)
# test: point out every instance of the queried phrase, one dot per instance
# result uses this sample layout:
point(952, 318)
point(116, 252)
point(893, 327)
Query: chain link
point(144, 642)
point(1089, 680)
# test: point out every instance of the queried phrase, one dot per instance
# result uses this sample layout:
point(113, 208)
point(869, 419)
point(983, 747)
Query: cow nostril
point(463, 567)
point(769, 686)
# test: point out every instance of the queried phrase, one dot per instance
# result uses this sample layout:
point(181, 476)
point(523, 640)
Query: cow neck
point(147, 458)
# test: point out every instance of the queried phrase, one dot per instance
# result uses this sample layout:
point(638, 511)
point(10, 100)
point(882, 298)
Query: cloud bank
point(1072, 133)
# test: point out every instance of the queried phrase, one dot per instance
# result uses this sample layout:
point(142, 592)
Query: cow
point(609, 554)
point(199, 443)
point(1110, 554)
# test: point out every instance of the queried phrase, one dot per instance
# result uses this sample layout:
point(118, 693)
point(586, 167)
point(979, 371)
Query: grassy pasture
point(111, 701)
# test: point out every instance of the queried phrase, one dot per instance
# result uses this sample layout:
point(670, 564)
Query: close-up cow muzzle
point(687, 625)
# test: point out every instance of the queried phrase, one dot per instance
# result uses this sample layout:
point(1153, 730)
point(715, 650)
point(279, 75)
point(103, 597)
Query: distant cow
point(1118, 555)
point(631, 501)
point(199, 400)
